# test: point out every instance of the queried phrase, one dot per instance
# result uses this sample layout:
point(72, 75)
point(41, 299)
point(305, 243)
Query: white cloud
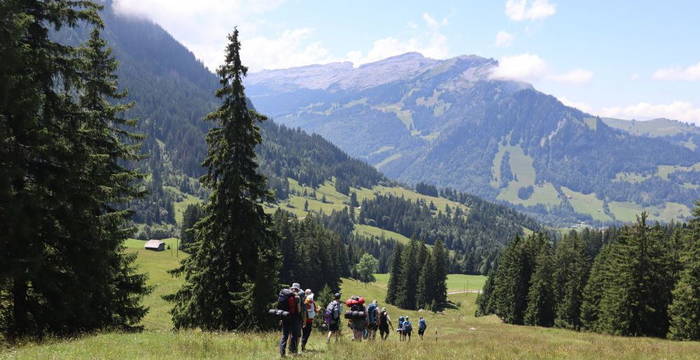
point(690, 73)
point(289, 49)
point(431, 43)
point(677, 110)
point(575, 77)
point(576, 104)
point(432, 23)
point(634, 77)
point(519, 10)
point(202, 26)
point(524, 67)
point(504, 39)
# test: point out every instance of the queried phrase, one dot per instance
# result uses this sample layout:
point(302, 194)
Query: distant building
point(155, 245)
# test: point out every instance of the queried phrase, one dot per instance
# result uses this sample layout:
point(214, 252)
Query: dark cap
point(337, 295)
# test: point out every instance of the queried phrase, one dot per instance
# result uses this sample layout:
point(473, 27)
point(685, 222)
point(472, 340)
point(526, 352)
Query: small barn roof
point(153, 244)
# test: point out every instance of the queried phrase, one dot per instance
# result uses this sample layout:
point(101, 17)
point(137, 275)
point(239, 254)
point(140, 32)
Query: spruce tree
point(425, 292)
point(540, 297)
point(571, 269)
point(485, 300)
point(192, 214)
point(62, 184)
point(394, 287)
point(515, 268)
point(635, 303)
point(116, 288)
point(684, 311)
point(407, 296)
point(441, 259)
point(600, 278)
point(231, 275)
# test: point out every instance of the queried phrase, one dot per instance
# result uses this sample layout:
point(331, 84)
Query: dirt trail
point(464, 292)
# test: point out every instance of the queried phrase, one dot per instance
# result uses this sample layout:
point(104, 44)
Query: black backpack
point(283, 300)
point(382, 317)
point(357, 307)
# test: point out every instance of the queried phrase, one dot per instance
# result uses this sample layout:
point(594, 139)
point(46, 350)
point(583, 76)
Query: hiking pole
point(435, 334)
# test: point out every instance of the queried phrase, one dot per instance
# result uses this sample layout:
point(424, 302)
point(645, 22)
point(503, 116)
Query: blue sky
point(629, 59)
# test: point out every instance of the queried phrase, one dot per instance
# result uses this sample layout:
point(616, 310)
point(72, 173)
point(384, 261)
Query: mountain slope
point(172, 92)
point(447, 122)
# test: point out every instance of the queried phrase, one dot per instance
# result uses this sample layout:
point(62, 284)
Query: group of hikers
point(297, 309)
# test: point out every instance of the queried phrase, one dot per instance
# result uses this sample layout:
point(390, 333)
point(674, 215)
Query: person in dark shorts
point(384, 324)
point(332, 317)
point(372, 320)
point(358, 325)
point(422, 326)
point(407, 329)
point(291, 325)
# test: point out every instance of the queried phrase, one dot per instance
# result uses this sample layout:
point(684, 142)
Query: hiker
point(311, 309)
point(358, 321)
point(384, 324)
point(407, 328)
point(290, 300)
point(332, 317)
point(422, 325)
point(372, 320)
point(399, 329)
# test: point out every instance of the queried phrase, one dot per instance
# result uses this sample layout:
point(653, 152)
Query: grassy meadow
point(454, 334)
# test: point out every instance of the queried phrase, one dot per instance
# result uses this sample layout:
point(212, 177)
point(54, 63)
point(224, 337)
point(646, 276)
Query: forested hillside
point(172, 92)
point(450, 123)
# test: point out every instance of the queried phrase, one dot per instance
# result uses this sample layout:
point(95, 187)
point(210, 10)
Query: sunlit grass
point(454, 334)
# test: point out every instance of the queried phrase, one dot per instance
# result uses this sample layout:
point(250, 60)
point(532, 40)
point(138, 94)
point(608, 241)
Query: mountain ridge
point(451, 124)
point(173, 91)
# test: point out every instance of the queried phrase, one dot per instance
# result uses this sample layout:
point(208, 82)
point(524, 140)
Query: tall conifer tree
point(62, 267)
point(394, 287)
point(684, 311)
point(230, 277)
point(407, 294)
point(540, 297)
point(636, 301)
point(571, 268)
point(425, 294)
point(441, 259)
point(600, 278)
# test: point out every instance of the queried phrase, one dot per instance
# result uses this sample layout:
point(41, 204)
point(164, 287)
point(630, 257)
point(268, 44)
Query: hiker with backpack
point(357, 316)
point(372, 320)
point(289, 300)
point(310, 309)
point(332, 317)
point(399, 329)
point(407, 328)
point(422, 326)
point(384, 324)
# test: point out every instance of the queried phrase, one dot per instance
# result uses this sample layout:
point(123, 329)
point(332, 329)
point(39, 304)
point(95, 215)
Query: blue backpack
point(372, 313)
point(407, 327)
point(422, 324)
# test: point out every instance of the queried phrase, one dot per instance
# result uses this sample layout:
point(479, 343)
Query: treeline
point(313, 251)
point(343, 223)
point(476, 235)
point(63, 180)
point(418, 277)
point(638, 280)
point(309, 159)
point(311, 254)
